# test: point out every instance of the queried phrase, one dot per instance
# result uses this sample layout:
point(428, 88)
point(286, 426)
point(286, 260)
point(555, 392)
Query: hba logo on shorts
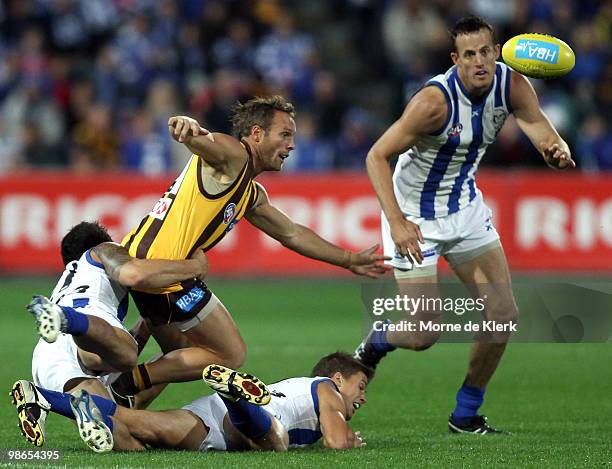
point(429, 252)
point(188, 301)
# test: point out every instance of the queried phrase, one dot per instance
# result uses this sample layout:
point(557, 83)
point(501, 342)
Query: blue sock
point(379, 341)
point(107, 409)
point(249, 419)
point(469, 400)
point(76, 323)
point(60, 404)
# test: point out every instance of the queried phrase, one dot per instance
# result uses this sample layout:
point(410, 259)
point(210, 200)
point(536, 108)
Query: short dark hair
point(342, 362)
point(469, 24)
point(258, 111)
point(82, 237)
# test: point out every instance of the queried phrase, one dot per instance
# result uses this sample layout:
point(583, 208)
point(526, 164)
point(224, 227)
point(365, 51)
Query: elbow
point(290, 241)
point(374, 158)
point(371, 157)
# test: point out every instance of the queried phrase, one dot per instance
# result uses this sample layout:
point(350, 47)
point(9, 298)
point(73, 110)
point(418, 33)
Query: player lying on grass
point(81, 327)
point(244, 413)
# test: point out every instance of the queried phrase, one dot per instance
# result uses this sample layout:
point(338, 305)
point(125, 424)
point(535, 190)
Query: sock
point(379, 341)
point(469, 400)
point(249, 419)
point(141, 377)
point(60, 401)
point(107, 409)
point(134, 381)
point(76, 323)
point(60, 404)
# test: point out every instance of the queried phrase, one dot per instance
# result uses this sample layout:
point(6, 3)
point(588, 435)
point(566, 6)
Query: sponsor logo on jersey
point(231, 225)
point(455, 130)
point(229, 213)
point(537, 50)
point(189, 300)
point(161, 208)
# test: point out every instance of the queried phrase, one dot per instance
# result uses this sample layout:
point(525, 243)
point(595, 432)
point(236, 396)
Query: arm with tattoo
point(147, 273)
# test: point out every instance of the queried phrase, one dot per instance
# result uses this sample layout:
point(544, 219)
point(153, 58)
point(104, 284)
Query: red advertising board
point(547, 220)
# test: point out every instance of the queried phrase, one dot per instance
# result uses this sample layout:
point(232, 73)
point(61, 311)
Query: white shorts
point(53, 365)
point(455, 236)
point(211, 410)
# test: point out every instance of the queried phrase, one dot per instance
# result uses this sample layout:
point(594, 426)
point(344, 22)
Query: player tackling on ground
point(432, 206)
point(82, 336)
point(296, 412)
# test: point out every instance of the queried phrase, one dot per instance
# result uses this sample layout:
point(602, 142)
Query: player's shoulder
point(430, 99)
point(234, 149)
point(521, 91)
point(428, 109)
point(327, 393)
point(260, 195)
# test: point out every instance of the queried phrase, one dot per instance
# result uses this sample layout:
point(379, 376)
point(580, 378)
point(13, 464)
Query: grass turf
point(554, 398)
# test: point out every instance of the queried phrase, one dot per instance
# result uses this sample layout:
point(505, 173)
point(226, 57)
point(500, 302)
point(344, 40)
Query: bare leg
point(276, 439)
point(143, 399)
point(216, 340)
point(106, 348)
point(415, 288)
point(173, 429)
point(123, 440)
point(489, 275)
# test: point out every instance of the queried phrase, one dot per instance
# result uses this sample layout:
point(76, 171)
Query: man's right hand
point(407, 236)
point(357, 440)
point(181, 127)
point(202, 259)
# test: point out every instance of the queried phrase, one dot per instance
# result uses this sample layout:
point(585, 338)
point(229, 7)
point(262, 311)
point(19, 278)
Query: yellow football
point(538, 55)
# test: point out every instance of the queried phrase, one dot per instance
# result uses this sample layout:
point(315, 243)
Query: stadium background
point(86, 88)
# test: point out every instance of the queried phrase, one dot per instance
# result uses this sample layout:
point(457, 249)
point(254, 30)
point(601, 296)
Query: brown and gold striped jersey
point(187, 216)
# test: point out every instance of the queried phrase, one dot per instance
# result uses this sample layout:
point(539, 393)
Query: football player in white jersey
point(83, 338)
point(243, 414)
point(432, 207)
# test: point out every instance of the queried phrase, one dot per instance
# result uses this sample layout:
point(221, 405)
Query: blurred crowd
point(89, 84)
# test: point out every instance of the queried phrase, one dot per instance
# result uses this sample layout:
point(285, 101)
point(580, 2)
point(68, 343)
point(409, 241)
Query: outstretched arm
point(336, 432)
point(148, 273)
point(538, 128)
point(222, 152)
point(303, 240)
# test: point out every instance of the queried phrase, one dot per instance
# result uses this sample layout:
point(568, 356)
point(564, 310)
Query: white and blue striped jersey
point(85, 284)
point(295, 403)
point(436, 177)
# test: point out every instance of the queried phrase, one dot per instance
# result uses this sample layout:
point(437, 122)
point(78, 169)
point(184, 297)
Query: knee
point(504, 312)
point(421, 346)
point(237, 356)
point(127, 361)
point(419, 341)
point(277, 437)
point(424, 342)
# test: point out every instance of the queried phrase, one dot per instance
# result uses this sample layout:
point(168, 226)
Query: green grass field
point(554, 398)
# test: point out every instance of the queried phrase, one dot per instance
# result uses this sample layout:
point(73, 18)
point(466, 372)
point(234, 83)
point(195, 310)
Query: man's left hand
point(368, 263)
point(556, 157)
